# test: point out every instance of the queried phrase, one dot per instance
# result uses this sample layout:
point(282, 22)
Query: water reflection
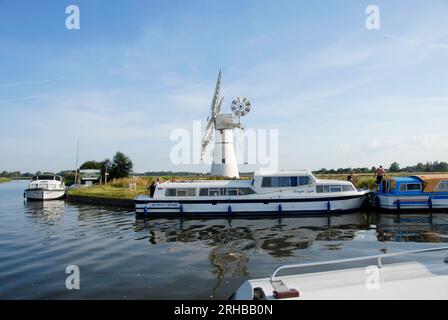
point(421, 227)
point(279, 237)
point(45, 211)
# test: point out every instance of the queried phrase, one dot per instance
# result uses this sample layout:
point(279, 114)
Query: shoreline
point(101, 201)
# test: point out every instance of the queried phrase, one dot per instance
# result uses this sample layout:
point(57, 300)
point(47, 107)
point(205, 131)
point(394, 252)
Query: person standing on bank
point(351, 177)
point(152, 188)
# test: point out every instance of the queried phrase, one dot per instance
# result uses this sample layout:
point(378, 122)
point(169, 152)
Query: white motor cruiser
point(45, 187)
point(284, 193)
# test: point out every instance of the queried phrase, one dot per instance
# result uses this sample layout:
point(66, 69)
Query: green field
point(2, 180)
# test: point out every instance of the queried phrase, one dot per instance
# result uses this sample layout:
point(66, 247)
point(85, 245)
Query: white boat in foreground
point(396, 281)
point(282, 193)
point(45, 187)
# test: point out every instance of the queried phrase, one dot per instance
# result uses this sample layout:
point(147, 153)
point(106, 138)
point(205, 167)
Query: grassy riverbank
point(2, 180)
point(120, 188)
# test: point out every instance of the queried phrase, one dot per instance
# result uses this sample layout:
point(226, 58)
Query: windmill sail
point(215, 101)
point(215, 108)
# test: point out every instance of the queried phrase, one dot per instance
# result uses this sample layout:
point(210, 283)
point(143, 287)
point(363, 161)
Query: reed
point(2, 180)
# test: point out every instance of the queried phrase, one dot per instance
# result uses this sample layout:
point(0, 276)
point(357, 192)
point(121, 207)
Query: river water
point(120, 257)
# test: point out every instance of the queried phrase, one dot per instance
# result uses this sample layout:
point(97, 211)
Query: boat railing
point(377, 257)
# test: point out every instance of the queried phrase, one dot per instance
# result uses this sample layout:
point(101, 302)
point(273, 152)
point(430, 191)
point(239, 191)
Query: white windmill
point(222, 124)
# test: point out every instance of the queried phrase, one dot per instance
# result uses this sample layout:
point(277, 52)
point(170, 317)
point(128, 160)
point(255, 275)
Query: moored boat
point(414, 192)
point(386, 277)
point(45, 187)
point(284, 193)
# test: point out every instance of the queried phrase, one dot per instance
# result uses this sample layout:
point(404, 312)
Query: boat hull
point(146, 206)
point(42, 194)
point(411, 202)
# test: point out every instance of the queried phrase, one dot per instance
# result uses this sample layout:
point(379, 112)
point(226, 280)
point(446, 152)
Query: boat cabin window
point(281, 182)
point(215, 192)
point(348, 188)
point(334, 188)
point(410, 187)
point(442, 186)
point(245, 191)
point(180, 192)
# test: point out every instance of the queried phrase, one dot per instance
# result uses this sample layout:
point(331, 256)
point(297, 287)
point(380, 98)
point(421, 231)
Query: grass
point(2, 180)
point(117, 189)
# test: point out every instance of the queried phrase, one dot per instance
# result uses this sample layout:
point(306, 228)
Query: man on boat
point(380, 172)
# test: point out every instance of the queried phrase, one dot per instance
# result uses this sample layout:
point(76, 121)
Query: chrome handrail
point(378, 257)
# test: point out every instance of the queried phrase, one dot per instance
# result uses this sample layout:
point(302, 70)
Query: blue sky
point(339, 94)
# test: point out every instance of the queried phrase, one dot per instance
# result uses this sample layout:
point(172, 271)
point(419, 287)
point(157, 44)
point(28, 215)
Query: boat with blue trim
point(287, 193)
point(413, 192)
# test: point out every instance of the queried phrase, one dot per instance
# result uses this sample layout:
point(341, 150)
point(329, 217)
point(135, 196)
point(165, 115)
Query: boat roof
point(407, 179)
point(432, 177)
point(46, 177)
point(432, 180)
point(283, 173)
point(206, 183)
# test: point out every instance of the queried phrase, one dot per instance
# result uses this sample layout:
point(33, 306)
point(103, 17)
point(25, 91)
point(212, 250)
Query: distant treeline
point(171, 173)
point(435, 166)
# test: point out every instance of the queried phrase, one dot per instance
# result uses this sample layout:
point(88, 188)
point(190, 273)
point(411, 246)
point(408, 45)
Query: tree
point(121, 166)
point(91, 164)
point(394, 167)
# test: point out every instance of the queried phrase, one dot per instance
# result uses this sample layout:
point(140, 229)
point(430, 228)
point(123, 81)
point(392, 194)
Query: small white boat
point(45, 187)
point(284, 193)
point(404, 280)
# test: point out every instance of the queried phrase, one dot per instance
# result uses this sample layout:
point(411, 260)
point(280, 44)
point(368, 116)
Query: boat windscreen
point(46, 177)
